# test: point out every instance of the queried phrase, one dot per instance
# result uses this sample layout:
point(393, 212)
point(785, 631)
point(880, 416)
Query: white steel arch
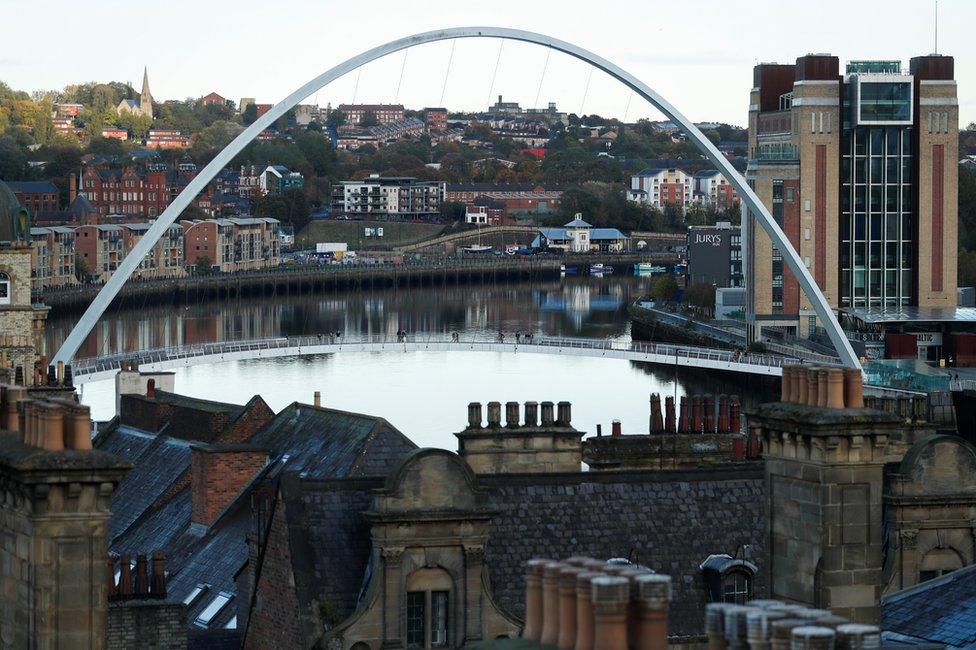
point(182, 201)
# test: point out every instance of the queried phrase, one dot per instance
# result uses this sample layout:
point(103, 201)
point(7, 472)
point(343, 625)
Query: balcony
point(777, 152)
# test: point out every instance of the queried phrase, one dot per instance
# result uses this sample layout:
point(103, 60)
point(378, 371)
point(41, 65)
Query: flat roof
point(918, 314)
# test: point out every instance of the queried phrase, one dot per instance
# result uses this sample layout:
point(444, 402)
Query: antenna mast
point(936, 26)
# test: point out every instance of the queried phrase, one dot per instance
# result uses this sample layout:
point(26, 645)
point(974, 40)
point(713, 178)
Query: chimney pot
point(494, 415)
point(822, 387)
point(550, 603)
point(708, 404)
point(611, 602)
point(738, 447)
point(853, 388)
point(564, 417)
point(60, 371)
point(547, 414)
point(151, 388)
point(158, 585)
point(78, 427)
point(855, 635)
point(110, 566)
point(52, 376)
point(735, 412)
point(697, 422)
point(531, 414)
point(566, 639)
point(723, 413)
point(317, 399)
point(141, 588)
point(801, 385)
point(812, 637)
point(584, 609)
point(512, 415)
point(684, 423)
point(125, 576)
point(474, 415)
point(69, 379)
point(785, 392)
point(834, 380)
point(615, 428)
point(669, 423)
point(760, 625)
point(657, 421)
point(52, 427)
point(533, 599)
point(735, 623)
point(813, 386)
point(654, 598)
point(599, 430)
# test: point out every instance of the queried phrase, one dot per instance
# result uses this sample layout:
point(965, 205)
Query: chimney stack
point(564, 415)
point(512, 415)
point(474, 415)
point(531, 414)
point(494, 415)
point(547, 414)
point(218, 472)
point(316, 397)
point(823, 386)
point(615, 428)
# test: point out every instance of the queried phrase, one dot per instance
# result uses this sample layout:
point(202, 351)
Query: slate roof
point(598, 234)
point(33, 187)
point(670, 521)
point(939, 611)
point(328, 443)
point(577, 223)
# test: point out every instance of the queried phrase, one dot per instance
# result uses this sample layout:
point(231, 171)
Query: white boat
point(601, 269)
point(476, 248)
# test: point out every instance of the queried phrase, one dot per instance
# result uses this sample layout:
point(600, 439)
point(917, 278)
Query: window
point(214, 608)
point(938, 562)
point(736, 587)
point(428, 608)
point(5, 289)
point(195, 593)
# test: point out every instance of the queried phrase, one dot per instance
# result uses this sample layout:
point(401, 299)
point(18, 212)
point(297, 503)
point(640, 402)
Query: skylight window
point(213, 608)
point(195, 593)
point(232, 623)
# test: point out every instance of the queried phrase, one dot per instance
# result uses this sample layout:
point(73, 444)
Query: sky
point(698, 54)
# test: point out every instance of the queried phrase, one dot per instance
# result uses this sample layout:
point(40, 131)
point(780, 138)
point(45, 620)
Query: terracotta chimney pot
point(684, 422)
point(531, 414)
point(708, 404)
point(151, 388)
point(715, 625)
point(578, 560)
point(615, 428)
point(547, 414)
point(812, 637)
point(52, 423)
point(157, 587)
point(141, 588)
point(113, 589)
point(759, 624)
point(813, 386)
point(735, 626)
point(669, 423)
point(657, 421)
point(723, 413)
point(564, 415)
point(855, 635)
point(835, 388)
point(125, 576)
point(77, 427)
point(584, 609)
point(566, 639)
point(822, 387)
point(853, 388)
point(550, 603)
point(653, 597)
point(533, 599)
point(317, 399)
point(735, 411)
point(611, 602)
point(781, 632)
point(801, 385)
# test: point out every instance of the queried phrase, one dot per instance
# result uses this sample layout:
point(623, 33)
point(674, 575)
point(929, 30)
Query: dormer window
point(728, 579)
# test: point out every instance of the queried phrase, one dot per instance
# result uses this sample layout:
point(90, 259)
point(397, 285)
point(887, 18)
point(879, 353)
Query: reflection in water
point(587, 307)
point(424, 394)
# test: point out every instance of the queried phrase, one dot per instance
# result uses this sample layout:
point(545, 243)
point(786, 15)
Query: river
point(424, 394)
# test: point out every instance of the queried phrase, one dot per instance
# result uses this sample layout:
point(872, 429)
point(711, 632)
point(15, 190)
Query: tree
point(13, 160)
point(250, 114)
point(967, 268)
point(291, 207)
point(369, 119)
point(82, 270)
point(204, 266)
point(665, 288)
point(452, 211)
point(701, 296)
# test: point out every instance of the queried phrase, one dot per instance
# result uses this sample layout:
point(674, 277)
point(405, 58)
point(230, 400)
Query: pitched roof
point(81, 205)
point(940, 611)
point(577, 223)
point(327, 443)
point(606, 233)
point(33, 187)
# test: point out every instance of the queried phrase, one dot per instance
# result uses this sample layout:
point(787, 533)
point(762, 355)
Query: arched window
point(5, 289)
point(429, 612)
point(938, 562)
point(728, 579)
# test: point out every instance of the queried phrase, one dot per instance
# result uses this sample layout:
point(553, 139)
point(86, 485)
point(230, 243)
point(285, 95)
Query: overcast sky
point(697, 53)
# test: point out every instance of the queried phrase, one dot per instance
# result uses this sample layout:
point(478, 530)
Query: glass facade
point(877, 217)
point(884, 101)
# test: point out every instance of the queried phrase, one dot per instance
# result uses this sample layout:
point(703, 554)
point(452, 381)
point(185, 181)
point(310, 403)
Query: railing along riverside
point(331, 341)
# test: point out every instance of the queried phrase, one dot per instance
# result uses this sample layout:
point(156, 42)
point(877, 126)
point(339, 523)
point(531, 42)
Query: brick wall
point(256, 414)
point(274, 619)
point(153, 624)
point(217, 475)
point(142, 413)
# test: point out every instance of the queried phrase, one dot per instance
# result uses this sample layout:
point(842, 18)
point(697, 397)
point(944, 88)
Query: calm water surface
point(424, 394)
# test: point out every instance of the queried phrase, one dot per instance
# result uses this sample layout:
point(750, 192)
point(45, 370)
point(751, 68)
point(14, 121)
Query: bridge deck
point(94, 369)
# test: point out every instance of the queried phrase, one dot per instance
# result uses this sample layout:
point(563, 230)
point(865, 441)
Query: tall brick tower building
point(860, 172)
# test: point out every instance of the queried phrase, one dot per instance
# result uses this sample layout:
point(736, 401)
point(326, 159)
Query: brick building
point(167, 139)
point(36, 196)
point(384, 113)
point(213, 99)
point(662, 187)
point(860, 171)
point(714, 190)
point(53, 257)
point(135, 190)
point(388, 197)
point(435, 119)
point(232, 244)
point(517, 198)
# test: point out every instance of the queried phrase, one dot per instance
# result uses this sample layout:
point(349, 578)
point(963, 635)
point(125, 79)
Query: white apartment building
point(389, 197)
point(662, 187)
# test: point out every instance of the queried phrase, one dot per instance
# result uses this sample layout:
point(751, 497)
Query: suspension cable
point(403, 66)
point(491, 88)
point(355, 90)
point(627, 107)
point(586, 90)
point(447, 72)
point(542, 78)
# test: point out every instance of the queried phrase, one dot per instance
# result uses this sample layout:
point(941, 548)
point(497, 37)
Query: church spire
point(145, 99)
